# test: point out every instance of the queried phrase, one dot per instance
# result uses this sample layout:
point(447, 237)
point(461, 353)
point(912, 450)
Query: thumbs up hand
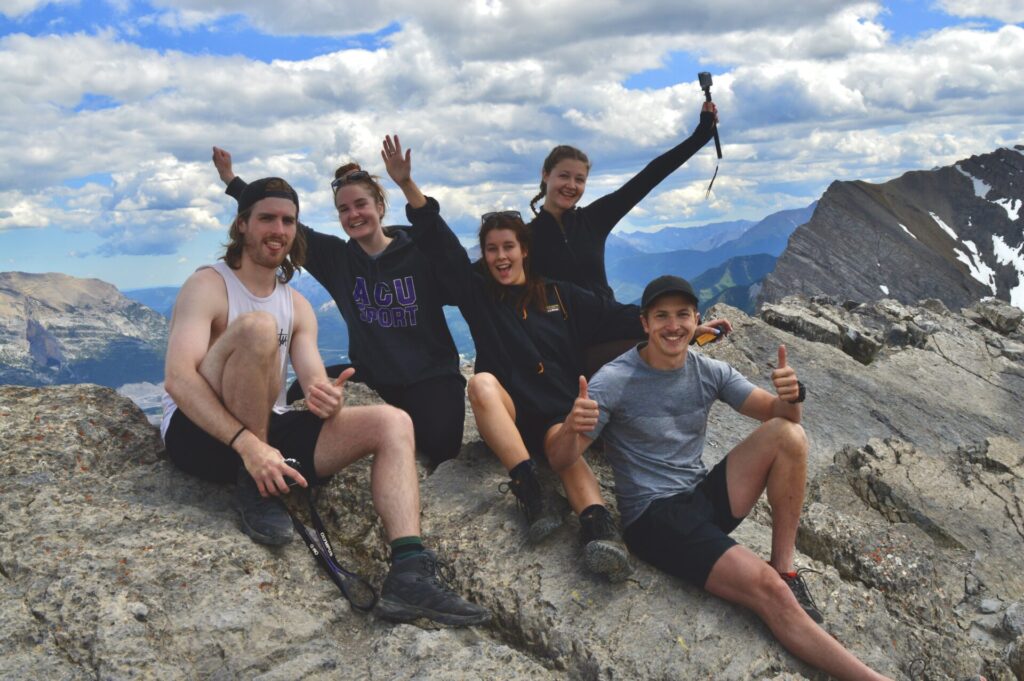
point(583, 417)
point(784, 378)
point(326, 398)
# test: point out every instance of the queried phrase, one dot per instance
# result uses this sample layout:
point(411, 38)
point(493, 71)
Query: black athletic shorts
point(193, 450)
point(532, 427)
point(685, 535)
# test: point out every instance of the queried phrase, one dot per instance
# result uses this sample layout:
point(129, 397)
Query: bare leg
point(741, 577)
point(578, 479)
point(243, 368)
point(495, 416)
point(386, 432)
point(774, 456)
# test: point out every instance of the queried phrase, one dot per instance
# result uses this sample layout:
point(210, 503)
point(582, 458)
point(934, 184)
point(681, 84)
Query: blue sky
point(111, 108)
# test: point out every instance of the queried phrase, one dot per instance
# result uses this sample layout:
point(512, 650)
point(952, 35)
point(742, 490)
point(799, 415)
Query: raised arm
point(605, 213)
point(399, 168)
point(762, 405)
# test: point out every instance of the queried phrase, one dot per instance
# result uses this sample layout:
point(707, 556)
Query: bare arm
point(323, 397)
point(399, 167)
point(762, 405)
point(566, 442)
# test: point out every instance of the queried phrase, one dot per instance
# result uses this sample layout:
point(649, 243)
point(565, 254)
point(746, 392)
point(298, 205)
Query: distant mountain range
point(59, 329)
point(953, 233)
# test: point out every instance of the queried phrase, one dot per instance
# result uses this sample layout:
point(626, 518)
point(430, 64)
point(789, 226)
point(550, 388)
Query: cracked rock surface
point(114, 565)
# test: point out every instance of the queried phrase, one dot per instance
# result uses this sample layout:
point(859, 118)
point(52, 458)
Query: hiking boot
point(796, 584)
point(603, 550)
point(541, 516)
point(413, 589)
point(263, 518)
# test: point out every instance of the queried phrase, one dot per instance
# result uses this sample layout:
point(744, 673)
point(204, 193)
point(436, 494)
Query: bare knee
point(257, 332)
point(395, 424)
point(790, 438)
point(483, 388)
point(773, 599)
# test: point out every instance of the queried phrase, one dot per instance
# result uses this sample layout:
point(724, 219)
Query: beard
point(258, 255)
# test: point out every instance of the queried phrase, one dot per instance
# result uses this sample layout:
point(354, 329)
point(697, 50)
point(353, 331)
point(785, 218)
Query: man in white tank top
point(234, 327)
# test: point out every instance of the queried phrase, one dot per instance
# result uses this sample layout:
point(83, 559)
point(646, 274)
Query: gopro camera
point(705, 80)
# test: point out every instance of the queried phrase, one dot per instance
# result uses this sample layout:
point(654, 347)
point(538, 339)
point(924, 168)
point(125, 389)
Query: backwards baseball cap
point(667, 284)
point(268, 187)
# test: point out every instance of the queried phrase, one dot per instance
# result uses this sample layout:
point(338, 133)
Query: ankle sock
point(522, 470)
point(405, 547)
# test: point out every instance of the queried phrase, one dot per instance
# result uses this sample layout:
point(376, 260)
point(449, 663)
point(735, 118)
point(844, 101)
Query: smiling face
point(504, 256)
point(669, 322)
point(565, 185)
point(359, 212)
point(269, 231)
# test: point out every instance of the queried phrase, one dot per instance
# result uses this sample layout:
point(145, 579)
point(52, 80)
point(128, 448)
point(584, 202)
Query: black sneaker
point(263, 518)
point(603, 550)
point(541, 516)
point(796, 584)
point(412, 589)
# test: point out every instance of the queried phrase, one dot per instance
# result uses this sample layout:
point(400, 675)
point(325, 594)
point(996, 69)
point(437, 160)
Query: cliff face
point(114, 565)
point(58, 329)
point(952, 233)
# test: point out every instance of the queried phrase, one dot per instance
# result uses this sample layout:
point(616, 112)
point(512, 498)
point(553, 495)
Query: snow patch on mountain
point(945, 228)
point(904, 227)
point(1011, 206)
point(1005, 255)
point(981, 188)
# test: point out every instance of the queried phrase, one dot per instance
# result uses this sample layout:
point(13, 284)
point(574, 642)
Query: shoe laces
point(799, 586)
point(439, 571)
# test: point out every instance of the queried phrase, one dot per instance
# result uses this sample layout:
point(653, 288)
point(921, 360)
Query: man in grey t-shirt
point(652, 404)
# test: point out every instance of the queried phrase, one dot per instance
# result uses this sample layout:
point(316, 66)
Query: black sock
point(522, 470)
point(405, 547)
point(590, 511)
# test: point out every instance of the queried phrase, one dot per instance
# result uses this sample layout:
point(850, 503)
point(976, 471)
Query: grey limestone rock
point(115, 565)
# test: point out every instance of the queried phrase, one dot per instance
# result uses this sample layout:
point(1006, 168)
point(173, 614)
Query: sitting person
point(235, 326)
point(651, 405)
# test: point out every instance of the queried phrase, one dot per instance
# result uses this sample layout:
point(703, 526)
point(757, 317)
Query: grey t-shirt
point(654, 422)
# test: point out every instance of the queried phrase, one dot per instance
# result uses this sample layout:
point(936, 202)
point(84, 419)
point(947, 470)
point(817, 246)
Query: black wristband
point(232, 441)
point(801, 395)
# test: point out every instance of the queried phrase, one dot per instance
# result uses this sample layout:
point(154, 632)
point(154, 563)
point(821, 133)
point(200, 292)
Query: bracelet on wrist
point(231, 443)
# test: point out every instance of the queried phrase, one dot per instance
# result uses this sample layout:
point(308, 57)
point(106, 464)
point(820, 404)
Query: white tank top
point(241, 301)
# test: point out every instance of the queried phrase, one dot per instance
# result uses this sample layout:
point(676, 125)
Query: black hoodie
point(391, 303)
point(574, 251)
point(536, 354)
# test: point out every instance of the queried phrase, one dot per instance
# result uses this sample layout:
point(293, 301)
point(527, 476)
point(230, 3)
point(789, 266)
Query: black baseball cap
point(266, 187)
point(667, 284)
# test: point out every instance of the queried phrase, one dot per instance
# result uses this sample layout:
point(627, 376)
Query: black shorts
point(193, 450)
point(685, 535)
point(532, 427)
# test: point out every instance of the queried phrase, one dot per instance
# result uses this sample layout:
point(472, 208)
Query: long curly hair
point(557, 155)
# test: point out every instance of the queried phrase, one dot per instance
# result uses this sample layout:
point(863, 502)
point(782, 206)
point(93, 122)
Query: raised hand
point(327, 398)
point(712, 331)
point(583, 417)
point(222, 162)
point(399, 167)
point(784, 378)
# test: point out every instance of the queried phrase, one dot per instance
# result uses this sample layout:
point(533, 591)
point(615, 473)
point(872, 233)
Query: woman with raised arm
point(529, 333)
point(569, 241)
point(392, 301)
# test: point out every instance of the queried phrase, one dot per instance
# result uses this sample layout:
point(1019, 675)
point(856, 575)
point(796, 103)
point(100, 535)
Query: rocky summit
point(953, 233)
point(58, 329)
point(114, 565)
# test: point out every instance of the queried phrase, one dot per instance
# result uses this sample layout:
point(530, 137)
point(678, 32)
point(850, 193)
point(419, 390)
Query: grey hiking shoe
point(541, 516)
point(796, 584)
point(603, 550)
point(263, 518)
point(413, 589)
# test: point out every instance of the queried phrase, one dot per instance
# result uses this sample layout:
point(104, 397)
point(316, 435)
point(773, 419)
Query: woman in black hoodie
point(391, 298)
point(529, 333)
point(569, 241)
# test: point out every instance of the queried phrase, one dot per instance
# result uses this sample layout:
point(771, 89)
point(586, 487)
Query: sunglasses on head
point(354, 176)
point(513, 214)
